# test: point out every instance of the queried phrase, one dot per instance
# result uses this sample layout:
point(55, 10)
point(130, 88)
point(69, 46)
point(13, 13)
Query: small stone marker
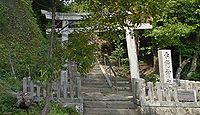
point(63, 76)
point(165, 66)
point(186, 95)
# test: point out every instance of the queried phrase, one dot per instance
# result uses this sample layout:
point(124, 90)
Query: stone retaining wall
point(163, 98)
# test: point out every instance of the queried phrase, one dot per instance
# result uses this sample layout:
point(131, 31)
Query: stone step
point(96, 66)
point(122, 84)
point(93, 80)
point(93, 83)
point(118, 79)
point(124, 88)
point(105, 111)
point(109, 97)
point(122, 81)
point(93, 89)
point(96, 72)
point(109, 104)
point(90, 85)
point(96, 69)
point(96, 75)
point(103, 82)
point(125, 93)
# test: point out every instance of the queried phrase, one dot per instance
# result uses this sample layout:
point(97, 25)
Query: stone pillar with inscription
point(165, 66)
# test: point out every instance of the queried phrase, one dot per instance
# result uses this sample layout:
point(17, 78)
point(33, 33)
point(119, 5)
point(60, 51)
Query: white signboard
point(186, 95)
point(165, 66)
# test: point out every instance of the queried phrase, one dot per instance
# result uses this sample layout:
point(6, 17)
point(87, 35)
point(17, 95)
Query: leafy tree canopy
point(116, 13)
point(179, 26)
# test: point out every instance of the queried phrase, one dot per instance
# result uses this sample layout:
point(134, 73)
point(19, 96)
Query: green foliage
point(22, 44)
point(178, 28)
point(110, 14)
point(80, 48)
point(3, 19)
point(180, 19)
point(124, 69)
point(77, 6)
point(7, 107)
point(8, 101)
point(151, 78)
point(118, 53)
point(7, 104)
point(57, 109)
point(170, 34)
point(195, 76)
point(185, 11)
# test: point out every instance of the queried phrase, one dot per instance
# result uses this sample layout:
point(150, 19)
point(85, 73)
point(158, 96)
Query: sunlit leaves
point(170, 34)
point(81, 49)
point(116, 12)
point(179, 26)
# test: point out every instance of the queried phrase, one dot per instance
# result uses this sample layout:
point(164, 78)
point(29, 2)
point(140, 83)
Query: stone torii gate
point(131, 47)
point(130, 39)
point(66, 18)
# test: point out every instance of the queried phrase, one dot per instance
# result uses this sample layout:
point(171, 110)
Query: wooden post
point(174, 93)
point(65, 89)
point(71, 88)
point(150, 91)
point(32, 87)
point(142, 91)
point(187, 84)
point(58, 89)
point(29, 84)
point(78, 80)
point(159, 93)
point(44, 91)
point(24, 84)
point(135, 88)
point(167, 92)
point(38, 89)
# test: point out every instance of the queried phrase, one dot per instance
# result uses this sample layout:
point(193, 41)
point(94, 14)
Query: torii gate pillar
point(131, 47)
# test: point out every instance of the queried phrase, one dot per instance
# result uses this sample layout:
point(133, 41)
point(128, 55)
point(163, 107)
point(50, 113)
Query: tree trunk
point(179, 70)
point(180, 59)
point(53, 28)
point(45, 110)
point(11, 63)
point(193, 66)
point(155, 59)
point(195, 57)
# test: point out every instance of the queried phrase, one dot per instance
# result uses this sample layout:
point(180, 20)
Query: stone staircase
point(100, 99)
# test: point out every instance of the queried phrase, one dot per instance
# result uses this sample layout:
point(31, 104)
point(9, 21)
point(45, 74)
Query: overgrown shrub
point(151, 77)
point(9, 85)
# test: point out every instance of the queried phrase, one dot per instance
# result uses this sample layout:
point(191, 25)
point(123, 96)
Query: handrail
point(105, 56)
